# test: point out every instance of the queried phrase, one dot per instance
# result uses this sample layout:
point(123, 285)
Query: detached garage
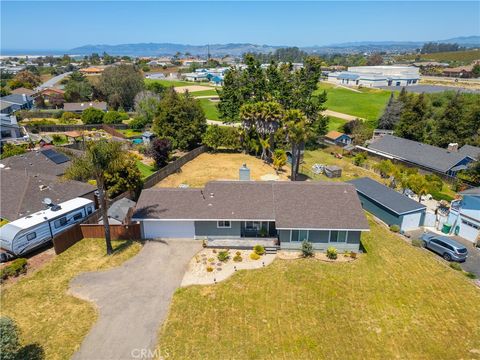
point(388, 205)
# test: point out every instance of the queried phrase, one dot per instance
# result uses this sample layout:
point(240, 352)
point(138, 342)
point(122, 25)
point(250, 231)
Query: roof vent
point(211, 195)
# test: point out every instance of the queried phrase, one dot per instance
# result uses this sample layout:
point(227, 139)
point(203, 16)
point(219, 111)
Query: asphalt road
point(133, 300)
point(51, 82)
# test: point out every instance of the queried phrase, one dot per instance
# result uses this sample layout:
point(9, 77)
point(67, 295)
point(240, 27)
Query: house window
point(77, 216)
point(468, 223)
point(224, 224)
point(253, 225)
point(338, 236)
point(60, 222)
point(299, 235)
point(31, 236)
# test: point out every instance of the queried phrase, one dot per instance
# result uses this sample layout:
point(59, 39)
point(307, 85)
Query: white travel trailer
point(32, 231)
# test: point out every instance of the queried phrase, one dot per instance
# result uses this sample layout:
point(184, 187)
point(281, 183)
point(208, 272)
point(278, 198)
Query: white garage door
point(468, 230)
point(168, 229)
point(411, 221)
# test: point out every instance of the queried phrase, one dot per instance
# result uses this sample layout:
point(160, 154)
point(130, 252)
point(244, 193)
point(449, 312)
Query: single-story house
point(324, 213)
point(14, 102)
point(200, 76)
point(9, 128)
point(337, 138)
point(460, 72)
point(388, 205)
point(79, 107)
point(374, 76)
point(428, 157)
point(464, 215)
point(22, 90)
point(470, 150)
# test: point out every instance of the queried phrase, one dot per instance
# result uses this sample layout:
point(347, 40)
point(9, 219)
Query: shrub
point(11, 150)
point(238, 253)
point(210, 259)
point(417, 243)
point(353, 254)
point(9, 334)
point(360, 159)
point(209, 269)
point(307, 248)
point(68, 118)
point(259, 249)
point(470, 275)
point(17, 267)
point(226, 137)
point(92, 116)
point(254, 256)
point(223, 256)
point(332, 253)
point(237, 258)
point(456, 266)
point(395, 228)
point(112, 117)
point(441, 196)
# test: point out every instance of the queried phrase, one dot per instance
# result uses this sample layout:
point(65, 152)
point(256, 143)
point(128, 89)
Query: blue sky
point(68, 24)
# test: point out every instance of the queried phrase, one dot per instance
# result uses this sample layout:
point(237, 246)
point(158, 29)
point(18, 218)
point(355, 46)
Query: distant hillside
point(459, 56)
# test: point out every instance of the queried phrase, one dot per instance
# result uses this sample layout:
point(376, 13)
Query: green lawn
point(46, 315)
point(210, 109)
point(212, 92)
point(395, 302)
point(336, 123)
point(145, 170)
point(368, 103)
point(130, 132)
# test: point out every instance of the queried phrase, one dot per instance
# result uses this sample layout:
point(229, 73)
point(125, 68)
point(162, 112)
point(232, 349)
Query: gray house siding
point(210, 229)
point(320, 240)
point(384, 214)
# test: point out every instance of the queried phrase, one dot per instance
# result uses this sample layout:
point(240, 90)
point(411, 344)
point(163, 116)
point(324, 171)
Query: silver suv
point(449, 249)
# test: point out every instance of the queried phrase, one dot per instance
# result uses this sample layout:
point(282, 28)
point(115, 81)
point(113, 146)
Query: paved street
point(51, 82)
point(133, 299)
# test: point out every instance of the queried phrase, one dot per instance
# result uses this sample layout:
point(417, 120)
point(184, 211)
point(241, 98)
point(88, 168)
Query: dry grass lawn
point(207, 167)
point(46, 315)
point(395, 302)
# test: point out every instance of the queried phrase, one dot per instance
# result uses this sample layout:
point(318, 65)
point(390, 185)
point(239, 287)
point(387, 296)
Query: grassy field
point(461, 56)
point(368, 103)
point(207, 167)
point(46, 314)
point(145, 169)
point(210, 109)
point(130, 132)
point(336, 123)
point(395, 302)
point(205, 93)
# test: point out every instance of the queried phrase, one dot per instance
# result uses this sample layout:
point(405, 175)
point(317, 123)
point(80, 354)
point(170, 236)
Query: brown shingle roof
point(22, 90)
point(22, 192)
point(334, 135)
point(313, 205)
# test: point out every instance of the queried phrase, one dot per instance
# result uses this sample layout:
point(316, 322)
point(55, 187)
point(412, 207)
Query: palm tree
point(296, 129)
point(101, 157)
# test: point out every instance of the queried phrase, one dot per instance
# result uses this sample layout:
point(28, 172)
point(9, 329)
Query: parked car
point(449, 249)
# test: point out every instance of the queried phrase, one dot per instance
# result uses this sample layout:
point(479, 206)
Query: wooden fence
point(173, 167)
point(111, 130)
point(78, 232)
point(63, 128)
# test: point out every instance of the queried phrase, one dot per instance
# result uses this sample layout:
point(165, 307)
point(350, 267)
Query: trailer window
point(77, 216)
point(31, 236)
point(89, 210)
point(60, 222)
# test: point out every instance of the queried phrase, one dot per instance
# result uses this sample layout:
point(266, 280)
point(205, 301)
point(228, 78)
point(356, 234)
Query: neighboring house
point(324, 213)
point(464, 215)
point(92, 70)
point(22, 90)
point(14, 102)
point(374, 76)
point(196, 76)
point(23, 190)
point(472, 151)
point(49, 92)
point(388, 205)
point(337, 138)
point(9, 128)
point(79, 107)
point(459, 72)
point(427, 157)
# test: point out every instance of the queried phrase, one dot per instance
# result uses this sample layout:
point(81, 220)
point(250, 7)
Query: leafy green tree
point(26, 79)
point(127, 177)
point(391, 114)
point(279, 159)
point(120, 84)
point(296, 130)
point(418, 185)
point(181, 119)
point(155, 87)
point(147, 106)
point(222, 137)
point(446, 127)
point(114, 117)
point(100, 159)
point(413, 119)
point(92, 116)
point(9, 339)
point(78, 88)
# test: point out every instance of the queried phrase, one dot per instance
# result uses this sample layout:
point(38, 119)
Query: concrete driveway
point(472, 264)
point(133, 300)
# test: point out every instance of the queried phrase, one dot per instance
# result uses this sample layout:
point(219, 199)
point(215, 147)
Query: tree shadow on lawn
point(30, 352)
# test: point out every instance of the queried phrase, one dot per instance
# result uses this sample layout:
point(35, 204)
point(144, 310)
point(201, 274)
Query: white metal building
point(374, 76)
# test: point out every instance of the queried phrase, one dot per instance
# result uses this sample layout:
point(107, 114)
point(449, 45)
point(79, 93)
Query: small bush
point(417, 243)
point(456, 266)
point(470, 275)
point(395, 228)
point(9, 334)
point(112, 117)
point(307, 248)
point(210, 260)
point(332, 253)
point(209, 269)
point(223, 256)
point(360, 159)
point(259, 249)
point(254, 256)
point(238, 253)
point(237, 258)
point(17, 267)
point(92, 116)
